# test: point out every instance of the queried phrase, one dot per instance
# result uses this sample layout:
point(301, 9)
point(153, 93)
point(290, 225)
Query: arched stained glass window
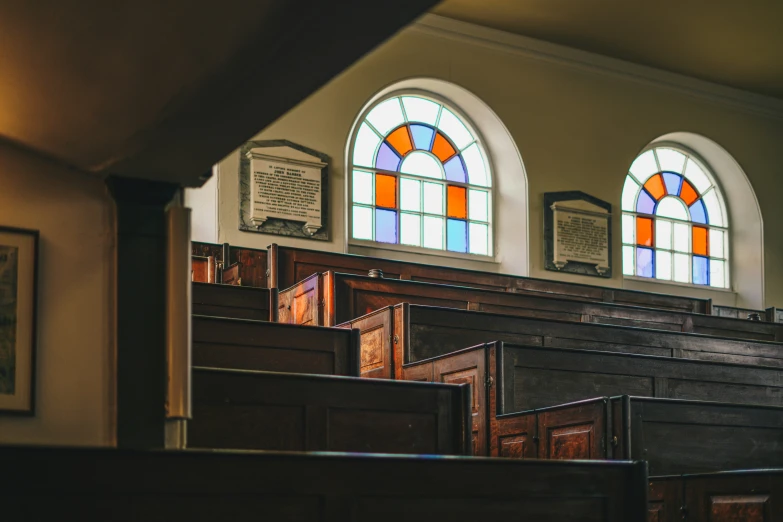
point(420, 178)
point(675, 226)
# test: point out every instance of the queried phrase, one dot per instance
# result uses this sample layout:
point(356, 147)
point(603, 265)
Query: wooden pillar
point(141, 309)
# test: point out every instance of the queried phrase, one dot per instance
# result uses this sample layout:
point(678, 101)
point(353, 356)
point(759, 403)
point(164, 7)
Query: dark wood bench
point(255, 345)
point(770, 315)
point(234, 409)
point(508, 378)
point(333, 298)
point(239, 302)
point(99, 485)
point(288, 266)
point(247, 266)
point(406, 333)
point(673, 436)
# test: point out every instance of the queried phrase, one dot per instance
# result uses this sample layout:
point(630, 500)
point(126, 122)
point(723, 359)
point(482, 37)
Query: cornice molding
point(502, 41)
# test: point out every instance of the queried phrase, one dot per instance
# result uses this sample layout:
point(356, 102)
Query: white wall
point(204, 223)
point(74, 391)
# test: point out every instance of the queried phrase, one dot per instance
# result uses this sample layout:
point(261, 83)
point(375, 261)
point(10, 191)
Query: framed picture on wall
point(18, 287)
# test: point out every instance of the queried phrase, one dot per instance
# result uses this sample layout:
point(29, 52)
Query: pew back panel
point(251, 263)
point(239, 302)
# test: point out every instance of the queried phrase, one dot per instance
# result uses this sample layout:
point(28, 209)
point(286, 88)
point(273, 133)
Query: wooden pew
point(332, 298)
point(673, 436)
point(288, 266)
point(770, 315)
point(406, 333)
point(509, 378)
point(239, 302)
point(254, 345)
point(234, 409)
point(245, 265)
point(99, 485)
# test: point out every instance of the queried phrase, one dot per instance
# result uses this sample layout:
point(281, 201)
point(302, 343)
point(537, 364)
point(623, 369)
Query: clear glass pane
point(682, 268)
point(362, 222)
point(410, 194)
point(478, 238)
point(645, 265)
point(714, 214)
point(385, 225)
point(672, 207)
point(663, 265)
point(457, 235)
point(716, 243)
point(663, 234)
point(630, 189)
point(701, 270)
point(421, 164)
point(682, 237)
point(386, 116)
point(628, 261)
point(644, 166)
point(419, 109)
point(717, 273)
point(433, 198)
point(670, 160)
point(433, 232)
point(478, 208)
point(410, 229)
point(477, 171)
point(362, 187)
point(454, 129)
point(696, 175)
point(628, 229)
point(364, 148)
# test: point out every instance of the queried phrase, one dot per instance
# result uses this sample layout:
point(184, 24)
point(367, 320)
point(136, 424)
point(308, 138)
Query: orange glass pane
point(644, 231)
point(442, 148)
point(700, 242)
point(457, 203)
point(688, 193)
point(385, 191)
point(655, 187)
point(401, 140)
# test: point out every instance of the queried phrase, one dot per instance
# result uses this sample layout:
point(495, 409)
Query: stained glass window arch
point(419, 178)
point(674, 222)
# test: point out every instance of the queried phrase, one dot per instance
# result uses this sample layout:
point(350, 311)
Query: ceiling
point(729, 42)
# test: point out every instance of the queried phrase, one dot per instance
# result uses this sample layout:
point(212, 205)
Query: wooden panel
point(665, 499)
point(231, 276)
point(744, 496)
point(376, 359)
point(233, 301)
point(252, 265)
point(574, 431)
point(199, 269)
point(731, 508)
point(301, 303)
point(514, 436)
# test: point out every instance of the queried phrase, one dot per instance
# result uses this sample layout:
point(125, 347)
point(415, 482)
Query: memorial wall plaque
point(283, 190)
point(578, 234)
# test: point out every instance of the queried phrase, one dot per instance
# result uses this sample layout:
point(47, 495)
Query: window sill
point(429, 252)
point(653, 281)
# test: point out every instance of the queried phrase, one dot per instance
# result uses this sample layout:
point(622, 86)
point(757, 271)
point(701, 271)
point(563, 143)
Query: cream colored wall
point(72, 211)
point(576, 129)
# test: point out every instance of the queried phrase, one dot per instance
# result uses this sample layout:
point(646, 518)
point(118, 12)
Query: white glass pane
point(386, 116)
point(663, 265)
point(362, 187)
point(716, 243)
point(696, 175)
point(629, 230)
point(454, 129)
point(362, 222)
point(478, 207)
point(670, 160)
point(682, 268)
point(644, 166)
point(682, 237)
point(672, 207)
point(433, 198)
point(422, 164)
point(477, 171)
point(630, 189)
point(628, 262)
point(663, 234)
point(410, 229)
point(364, 148)
point(478, 238)
point(717, 273)
point(419, 109)
point(714, 212)
point(410, 194)
point(433, 232)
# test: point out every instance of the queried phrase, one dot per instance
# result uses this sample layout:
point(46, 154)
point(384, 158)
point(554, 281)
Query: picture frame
point(18, 319)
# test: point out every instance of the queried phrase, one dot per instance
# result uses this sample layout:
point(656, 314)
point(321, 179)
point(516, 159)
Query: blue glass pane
point(387, 159)
point(455, 170)
point(422, 136)
point(385, 226)
point(457, 235)
point(645, 266)
point(701, 270)
point(645, 204)
point(673, 182)
point(698, 212)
